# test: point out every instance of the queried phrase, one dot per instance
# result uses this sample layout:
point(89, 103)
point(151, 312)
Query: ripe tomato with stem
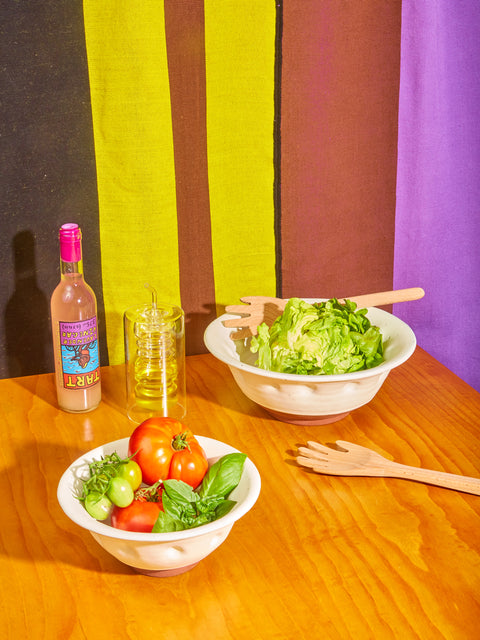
point(165, 448)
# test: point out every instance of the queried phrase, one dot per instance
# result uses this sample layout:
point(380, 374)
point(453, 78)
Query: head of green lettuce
point(322, 338)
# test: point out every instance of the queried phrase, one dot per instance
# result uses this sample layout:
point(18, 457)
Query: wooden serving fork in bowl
point(354, 460)
point(258, 309)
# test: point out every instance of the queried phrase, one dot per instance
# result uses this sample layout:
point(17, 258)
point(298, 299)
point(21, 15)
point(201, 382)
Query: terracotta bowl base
point(306, 420)
point(165, 573)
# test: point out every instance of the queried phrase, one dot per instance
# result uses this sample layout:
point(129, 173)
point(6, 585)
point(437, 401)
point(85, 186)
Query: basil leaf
point(224, 507)
point(223, 476)
point(204, 518)
point(210, 503)
point(179, 509)
point(180, 491)
point(166, 523)
point(185, 508)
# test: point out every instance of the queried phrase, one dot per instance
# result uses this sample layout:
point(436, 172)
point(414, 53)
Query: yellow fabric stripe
point(134, 154)
point(240, 56)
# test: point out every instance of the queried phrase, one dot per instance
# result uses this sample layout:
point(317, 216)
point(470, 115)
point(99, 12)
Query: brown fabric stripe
point(184, 26)
point(340, 84)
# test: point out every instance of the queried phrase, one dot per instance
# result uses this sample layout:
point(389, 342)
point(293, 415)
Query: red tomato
point(140, 515)
point(189, 465)
point(164, 448)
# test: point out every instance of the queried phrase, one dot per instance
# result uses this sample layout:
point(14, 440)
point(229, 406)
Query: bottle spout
point(154, 296)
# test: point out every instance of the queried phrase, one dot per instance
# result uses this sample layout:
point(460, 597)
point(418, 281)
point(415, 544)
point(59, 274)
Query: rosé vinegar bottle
point(74, 327)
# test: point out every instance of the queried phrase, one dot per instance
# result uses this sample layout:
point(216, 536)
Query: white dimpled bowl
point(311, 399)
point(158, 554)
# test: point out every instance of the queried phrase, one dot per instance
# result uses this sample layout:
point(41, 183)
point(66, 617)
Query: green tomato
point(98, 505)
point(120, 492)
point(131, 472)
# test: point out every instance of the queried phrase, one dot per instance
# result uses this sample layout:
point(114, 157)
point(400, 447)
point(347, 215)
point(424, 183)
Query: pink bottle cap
point(70, 242)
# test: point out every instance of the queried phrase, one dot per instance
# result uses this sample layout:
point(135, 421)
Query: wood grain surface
point(317, 556)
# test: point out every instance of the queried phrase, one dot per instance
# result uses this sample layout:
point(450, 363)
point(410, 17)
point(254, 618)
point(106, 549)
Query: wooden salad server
point(258, 309)
point(354, 460)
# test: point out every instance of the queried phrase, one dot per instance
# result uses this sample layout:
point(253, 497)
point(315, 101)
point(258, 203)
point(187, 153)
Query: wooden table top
point(316, 557)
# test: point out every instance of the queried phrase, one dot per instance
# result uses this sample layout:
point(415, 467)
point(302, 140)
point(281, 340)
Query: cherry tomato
point(164, 448)
point(98, 505)
point(138, 516)
point(120, 492)
point(131, 472)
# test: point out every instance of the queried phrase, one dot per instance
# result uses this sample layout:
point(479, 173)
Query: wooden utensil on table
point(258, 309)
point(354, 460)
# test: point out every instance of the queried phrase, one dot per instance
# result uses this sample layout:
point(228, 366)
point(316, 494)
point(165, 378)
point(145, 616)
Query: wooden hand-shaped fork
point(354, 460)
point(258, 309)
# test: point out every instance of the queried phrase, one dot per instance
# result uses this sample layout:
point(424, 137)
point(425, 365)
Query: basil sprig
point(186, 508)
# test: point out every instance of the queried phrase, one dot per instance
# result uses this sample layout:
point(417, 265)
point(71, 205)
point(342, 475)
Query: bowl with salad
point(318, 361)
point(162, 499)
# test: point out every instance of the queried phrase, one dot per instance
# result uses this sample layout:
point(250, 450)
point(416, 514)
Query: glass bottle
point(155, 360)
point(74, 328)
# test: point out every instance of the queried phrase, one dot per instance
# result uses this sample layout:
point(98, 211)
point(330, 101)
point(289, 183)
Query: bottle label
point(79, 353)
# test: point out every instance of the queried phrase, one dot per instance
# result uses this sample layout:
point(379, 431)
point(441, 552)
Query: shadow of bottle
point(27, 324)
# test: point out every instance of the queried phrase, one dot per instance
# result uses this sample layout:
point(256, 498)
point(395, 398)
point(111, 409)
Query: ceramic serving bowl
point(304, 399)
point(158, 554)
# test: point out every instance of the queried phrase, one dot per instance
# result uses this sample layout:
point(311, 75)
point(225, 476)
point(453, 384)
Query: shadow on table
point(36, 529)
point(113, 388)
point(45, 390)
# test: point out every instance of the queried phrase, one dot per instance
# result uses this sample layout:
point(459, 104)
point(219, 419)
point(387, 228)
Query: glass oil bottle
point(155, 361)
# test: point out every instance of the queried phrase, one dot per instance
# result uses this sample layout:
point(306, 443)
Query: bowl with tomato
point(171, 523)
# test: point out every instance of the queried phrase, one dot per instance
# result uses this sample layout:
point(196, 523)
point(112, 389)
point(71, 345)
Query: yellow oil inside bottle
point(156, 367)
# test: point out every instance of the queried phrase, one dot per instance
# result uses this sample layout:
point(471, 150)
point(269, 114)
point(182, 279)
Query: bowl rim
point(66, 497)
point(380, 369)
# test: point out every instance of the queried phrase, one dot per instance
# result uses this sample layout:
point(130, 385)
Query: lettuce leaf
point(319, 339)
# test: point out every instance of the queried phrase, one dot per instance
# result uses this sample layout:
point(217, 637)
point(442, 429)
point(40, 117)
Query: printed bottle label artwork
point(79, 352)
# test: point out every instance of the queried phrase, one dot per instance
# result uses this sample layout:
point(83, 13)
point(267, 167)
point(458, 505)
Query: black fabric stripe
point(48, 173)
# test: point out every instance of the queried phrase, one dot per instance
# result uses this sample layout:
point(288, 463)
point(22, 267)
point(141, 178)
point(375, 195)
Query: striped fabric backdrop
point(182, 103)
point(213, 149)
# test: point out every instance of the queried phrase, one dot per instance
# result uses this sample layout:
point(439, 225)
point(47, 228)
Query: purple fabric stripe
point(437, 232)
